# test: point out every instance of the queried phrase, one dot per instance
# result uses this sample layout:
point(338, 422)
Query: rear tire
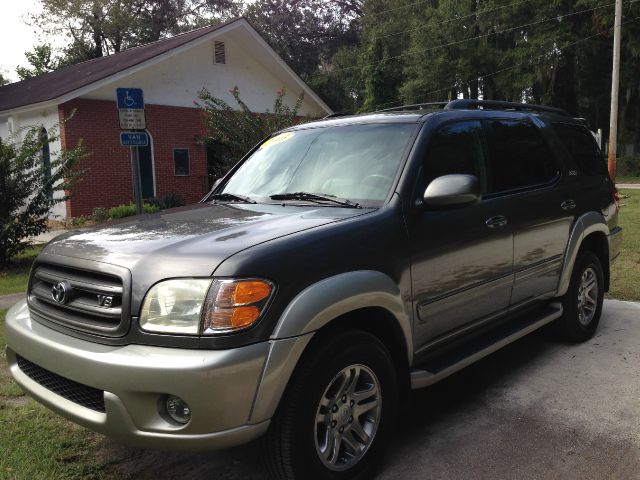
point(335, 419)
point(582, 303)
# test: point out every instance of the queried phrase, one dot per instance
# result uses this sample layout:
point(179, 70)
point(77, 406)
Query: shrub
point(129, 210)
point(99, 214)
point(171, 200)
point(122, 211)
point(629, 165)
point(168, 200)
point(150, 208)
point(29, 189)
point(80, 221)
point(232, 133)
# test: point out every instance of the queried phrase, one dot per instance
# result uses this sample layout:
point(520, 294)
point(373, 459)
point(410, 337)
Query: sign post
point(137, 182)
point(131, 115)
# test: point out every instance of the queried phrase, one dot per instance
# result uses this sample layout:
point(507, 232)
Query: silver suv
point(337, 266)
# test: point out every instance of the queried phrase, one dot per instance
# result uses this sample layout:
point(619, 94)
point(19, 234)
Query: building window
point(219, 53)
point(181, 162)
point(45, 157)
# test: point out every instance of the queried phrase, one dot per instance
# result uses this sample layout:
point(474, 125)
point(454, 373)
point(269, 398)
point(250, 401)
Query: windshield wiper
point(315, 197)
point(231, 197)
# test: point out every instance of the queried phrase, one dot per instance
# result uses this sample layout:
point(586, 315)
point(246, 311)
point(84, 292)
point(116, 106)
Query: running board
point(440, 368)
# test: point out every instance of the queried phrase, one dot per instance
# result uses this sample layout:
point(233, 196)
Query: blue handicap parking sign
point(134, 139)
point(130, 98)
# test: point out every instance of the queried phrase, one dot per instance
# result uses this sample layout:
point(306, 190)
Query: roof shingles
point(50, 86)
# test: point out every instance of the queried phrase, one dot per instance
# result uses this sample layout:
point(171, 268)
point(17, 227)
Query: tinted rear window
point(583, 148)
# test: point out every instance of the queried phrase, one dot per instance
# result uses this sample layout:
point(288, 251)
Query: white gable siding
point(177, 80)
point(10, 127)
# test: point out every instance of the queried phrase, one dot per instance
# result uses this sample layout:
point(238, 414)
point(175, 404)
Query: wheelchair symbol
point(128, 100)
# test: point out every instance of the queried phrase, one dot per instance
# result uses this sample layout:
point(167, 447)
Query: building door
point(146, 171)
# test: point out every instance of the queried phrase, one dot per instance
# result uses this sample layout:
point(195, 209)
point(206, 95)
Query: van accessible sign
point(134, 139)
point(131, 108)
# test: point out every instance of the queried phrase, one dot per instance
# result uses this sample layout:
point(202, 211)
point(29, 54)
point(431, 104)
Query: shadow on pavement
point(428, 407)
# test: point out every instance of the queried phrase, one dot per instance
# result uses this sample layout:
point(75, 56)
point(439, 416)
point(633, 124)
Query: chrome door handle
point(496, 222)
point(568, 205)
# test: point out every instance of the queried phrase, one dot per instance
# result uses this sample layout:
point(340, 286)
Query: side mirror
point(452, 190)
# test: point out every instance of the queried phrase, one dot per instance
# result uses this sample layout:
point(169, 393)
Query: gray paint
point(423, 378)
point(282, 360)
point(219, 386)
point(450, 190)
point(588, 223)
point(328, 299)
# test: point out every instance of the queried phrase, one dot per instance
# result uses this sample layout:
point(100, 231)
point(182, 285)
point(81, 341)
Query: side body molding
point(313, 308)
point(586, 224)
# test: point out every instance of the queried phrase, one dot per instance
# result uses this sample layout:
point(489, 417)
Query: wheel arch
point(337, 297)
point(589, 231)
point(597, 243)
point(365, 300)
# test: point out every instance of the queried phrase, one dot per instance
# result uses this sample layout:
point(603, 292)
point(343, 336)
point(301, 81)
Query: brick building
point(170, 72)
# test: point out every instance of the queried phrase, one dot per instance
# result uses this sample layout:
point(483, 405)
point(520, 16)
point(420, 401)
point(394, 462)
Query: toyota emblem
point(60, 291)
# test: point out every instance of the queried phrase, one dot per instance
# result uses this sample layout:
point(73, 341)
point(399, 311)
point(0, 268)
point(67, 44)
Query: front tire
point(582, 303)
point(336, 416)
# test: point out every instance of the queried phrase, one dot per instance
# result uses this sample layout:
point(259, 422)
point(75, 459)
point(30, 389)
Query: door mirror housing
point(452, 190)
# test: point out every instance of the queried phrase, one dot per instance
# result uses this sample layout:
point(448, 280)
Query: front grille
point(93, 302)
point(84, 395)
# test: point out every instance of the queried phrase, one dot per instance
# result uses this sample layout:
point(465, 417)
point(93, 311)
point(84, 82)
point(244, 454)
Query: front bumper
point(219, 386)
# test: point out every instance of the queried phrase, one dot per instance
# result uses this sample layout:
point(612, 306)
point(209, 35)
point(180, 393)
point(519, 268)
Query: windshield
point(355, 162)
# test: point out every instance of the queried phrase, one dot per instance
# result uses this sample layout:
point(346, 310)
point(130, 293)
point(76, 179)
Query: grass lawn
point(14, 278)
point(625, 273)
point(627, 179)
point(37, 444)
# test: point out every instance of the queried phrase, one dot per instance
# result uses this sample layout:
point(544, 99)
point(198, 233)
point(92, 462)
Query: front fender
point(332, 297)
point(314, 308)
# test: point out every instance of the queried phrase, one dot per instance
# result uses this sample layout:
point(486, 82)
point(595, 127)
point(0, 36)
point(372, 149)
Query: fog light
point(177, 409)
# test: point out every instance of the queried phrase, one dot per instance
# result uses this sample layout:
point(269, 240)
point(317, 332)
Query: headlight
point(204, 306)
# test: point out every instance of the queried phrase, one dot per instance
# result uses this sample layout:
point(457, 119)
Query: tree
point(3, 79)
point(314, 37)
point(101, 27)
point(232, 133)
point(41, 60)
point(29, 187)
point(305, 32)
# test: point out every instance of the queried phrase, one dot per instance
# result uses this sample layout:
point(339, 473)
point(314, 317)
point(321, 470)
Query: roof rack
point(468, 104)
point(415, 106)
point(337, 114)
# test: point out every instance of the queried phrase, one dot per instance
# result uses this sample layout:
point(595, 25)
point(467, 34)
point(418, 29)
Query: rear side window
point(518, 156)
point(456, 148)
point(583, 148)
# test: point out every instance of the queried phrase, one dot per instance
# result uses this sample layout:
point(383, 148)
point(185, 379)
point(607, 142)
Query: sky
point(16, 37)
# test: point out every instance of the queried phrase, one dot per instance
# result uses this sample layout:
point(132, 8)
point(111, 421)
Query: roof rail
point(415, 106)
point(337, 114)
point(468, 104)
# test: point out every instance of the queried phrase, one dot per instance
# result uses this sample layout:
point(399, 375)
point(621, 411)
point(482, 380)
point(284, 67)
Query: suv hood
point(192, 240)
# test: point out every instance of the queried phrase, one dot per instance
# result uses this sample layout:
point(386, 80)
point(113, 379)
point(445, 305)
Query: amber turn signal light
point(231, 318)
point(234, 304)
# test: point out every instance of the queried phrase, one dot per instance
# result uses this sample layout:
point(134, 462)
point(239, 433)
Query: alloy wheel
point(587, 296)
point(347, 417)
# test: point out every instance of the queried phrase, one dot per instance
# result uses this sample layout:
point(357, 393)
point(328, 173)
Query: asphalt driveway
point(536, 409)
